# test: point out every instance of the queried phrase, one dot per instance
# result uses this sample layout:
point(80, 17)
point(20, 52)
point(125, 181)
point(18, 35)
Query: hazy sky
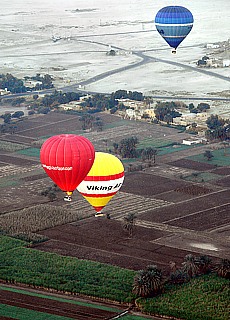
point(211, 16)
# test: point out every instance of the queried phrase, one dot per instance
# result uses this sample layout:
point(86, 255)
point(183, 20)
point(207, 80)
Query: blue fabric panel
point(173, 31)
point(174, 15)
point(174, 42)
point(172, 20)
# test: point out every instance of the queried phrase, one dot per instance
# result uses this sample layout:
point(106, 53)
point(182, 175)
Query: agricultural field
point(37, 306)
point(181, 203)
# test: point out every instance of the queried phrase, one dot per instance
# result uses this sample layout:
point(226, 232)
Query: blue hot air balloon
point(174, 23)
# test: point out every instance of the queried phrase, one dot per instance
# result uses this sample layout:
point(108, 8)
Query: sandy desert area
point(69, 40)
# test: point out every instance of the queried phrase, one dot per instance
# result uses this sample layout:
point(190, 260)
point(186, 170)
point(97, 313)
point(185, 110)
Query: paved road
point(196, 69)
point(144, 58)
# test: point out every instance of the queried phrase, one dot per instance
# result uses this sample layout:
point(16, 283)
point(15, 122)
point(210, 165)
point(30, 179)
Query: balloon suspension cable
point(69, 193)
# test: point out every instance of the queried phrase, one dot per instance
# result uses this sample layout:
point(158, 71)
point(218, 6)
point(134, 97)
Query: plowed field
point(65, 309)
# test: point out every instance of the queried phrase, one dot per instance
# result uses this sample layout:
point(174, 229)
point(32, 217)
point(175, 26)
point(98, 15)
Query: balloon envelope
point(103, 181)
point(174, 23)
point(67, 158)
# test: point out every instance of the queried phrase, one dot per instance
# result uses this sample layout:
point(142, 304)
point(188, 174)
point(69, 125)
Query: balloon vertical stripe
point(67, 159)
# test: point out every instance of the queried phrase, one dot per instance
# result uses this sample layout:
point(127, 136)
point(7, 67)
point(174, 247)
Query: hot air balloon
point(67, 158)
point(174, 23)
point(103, 181)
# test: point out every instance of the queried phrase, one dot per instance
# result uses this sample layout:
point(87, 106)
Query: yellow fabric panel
point(98, 201)
point(105, 164)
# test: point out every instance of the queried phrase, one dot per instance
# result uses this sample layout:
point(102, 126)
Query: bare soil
point(194, 165)
point(16, 160)
point(58, 308)
point(152, 184)
point(225, 171)
point(104, 240)
point(225, 182)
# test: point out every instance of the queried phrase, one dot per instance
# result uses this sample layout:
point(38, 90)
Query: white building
point(3, 92)
point(130, 114)
point(190, 142)
point(226, 63)
point(212, 45)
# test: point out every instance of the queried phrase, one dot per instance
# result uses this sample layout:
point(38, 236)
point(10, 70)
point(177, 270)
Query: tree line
point(218, 128)
point(14, 85)
point(150, 282)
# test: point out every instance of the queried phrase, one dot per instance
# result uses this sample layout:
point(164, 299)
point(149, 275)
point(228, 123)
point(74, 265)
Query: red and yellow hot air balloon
point(67, 158)
point(103, 181)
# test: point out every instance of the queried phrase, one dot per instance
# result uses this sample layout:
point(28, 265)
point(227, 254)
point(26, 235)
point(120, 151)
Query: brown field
point(225, 182)
point(164, 230)
point(222, 171)
point(105, 241)
point(53, 307)
point(194, 165)
point(173, 216)
point(17, 160)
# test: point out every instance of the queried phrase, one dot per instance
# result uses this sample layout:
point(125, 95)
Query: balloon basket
point(67, 198)
point(99, 214)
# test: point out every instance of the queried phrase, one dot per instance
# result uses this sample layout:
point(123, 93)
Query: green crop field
point(220, 157)
point(203, 298)
point(202, 177)
point(30, 152)
point(172, 148)
point(26, 314)
point(154, 143)
point(11, 146)
point(43, 269)
point(116, 124)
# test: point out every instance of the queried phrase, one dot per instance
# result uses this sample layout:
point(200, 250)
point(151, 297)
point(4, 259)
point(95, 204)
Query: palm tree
point(149, 154)
point(141, 284)
point(173, 266)
point(204, 263)
point(127, 147)
point(149, 282)
point(87, 121)
point(129, 222)
point(154, 153)
point(168, 118)
point(195, 175)
point(208, 154)
point(155, 279)
point(223, 268)
point(179, 276)
point(190, 265)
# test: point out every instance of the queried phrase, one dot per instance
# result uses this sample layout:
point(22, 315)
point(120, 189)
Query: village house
point(72, 105)
point(32, 83)
point(188, 119)
point(193, 141)
point(138, 110)
point(3, 92)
